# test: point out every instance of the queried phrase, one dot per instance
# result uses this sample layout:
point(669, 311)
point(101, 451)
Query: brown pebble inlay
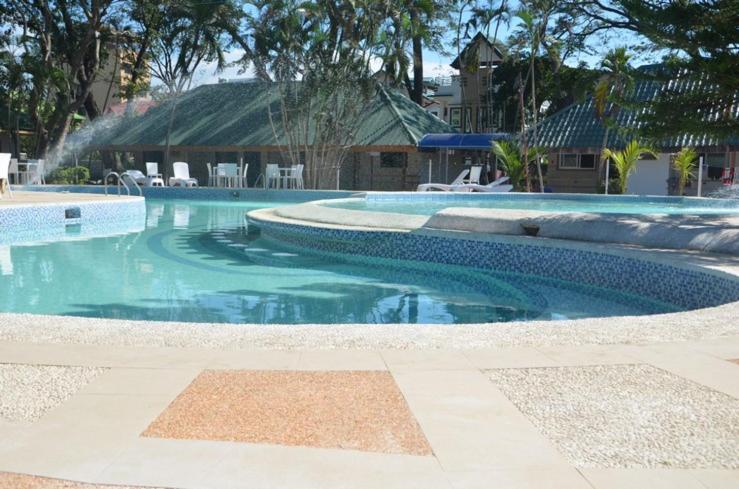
point(337, 409)
point(734, 360)
point(12, 480)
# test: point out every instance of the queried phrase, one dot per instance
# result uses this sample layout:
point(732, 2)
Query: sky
point(435, 64)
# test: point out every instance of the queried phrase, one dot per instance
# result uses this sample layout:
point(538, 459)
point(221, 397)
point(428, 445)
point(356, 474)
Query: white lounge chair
point(137, 176)
point(4, 179)
point(181, 176)
point(424, 187)
point(468, 187)
point(475, 173)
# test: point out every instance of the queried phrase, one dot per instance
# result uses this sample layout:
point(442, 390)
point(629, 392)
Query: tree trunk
point(603, 161)
point(535, 110)
point(524, 142)
point(417, 95)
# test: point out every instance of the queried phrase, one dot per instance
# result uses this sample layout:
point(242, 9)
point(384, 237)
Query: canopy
point(461, 141)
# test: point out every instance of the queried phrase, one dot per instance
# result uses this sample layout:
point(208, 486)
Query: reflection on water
point(196, 261)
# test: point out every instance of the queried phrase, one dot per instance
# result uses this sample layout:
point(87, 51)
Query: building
point(228, 122)
point(573, 138)
point(113, 77)
point(467, 101)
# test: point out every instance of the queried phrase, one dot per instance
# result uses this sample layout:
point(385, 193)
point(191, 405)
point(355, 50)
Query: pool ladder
point(122, 182)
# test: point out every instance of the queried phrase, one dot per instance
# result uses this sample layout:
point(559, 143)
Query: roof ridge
point(395, 112)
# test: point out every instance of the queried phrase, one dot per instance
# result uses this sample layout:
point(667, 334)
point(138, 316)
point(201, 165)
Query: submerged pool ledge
point(711, 233)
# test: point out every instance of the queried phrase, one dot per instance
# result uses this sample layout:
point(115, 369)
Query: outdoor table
point(286, 176)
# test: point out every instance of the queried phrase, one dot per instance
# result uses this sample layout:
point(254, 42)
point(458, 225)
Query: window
point(455, 119)
point(573, 161)
point(392, 160)
point(587, 162)
point(568, 161)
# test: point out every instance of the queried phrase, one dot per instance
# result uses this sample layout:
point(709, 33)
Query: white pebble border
point(717, 322)
point(627, 416)
point(27, 392)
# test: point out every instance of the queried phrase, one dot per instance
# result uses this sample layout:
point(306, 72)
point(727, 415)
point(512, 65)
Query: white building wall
point(650, 177)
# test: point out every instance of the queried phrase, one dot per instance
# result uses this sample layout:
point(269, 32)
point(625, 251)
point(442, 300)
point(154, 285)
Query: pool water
point(427, 205)
point(198, 262)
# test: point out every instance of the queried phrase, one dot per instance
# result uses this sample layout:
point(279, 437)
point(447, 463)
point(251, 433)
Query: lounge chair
point(475, 173)
point(468, 187)
point(137, 176)
point(433, 186)
point(181, 176)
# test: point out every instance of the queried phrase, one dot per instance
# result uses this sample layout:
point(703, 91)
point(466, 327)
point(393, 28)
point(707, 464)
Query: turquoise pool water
point(427, 205)
point(196, 261)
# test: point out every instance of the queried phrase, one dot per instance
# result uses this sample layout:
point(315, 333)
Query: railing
point(121, 181)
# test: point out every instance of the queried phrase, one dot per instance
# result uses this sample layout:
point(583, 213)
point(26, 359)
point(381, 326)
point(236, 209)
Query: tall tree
point(61, 44)
point(192, 33)
point(610, 96)
point(701, 39)
point(316, 57)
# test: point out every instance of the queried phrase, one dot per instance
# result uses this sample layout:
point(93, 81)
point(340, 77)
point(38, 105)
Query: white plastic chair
point(153, 177)
point(4, 180)
point(298, 176)
point(35, 172)
point(137, 176)
point(13, 171)
point(272, 175)
point(181, 176)
point(228, 174)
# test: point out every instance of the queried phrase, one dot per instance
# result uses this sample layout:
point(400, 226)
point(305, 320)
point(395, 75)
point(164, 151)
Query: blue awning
point(461, 141)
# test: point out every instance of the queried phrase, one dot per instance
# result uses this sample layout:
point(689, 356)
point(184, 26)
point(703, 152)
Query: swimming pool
point(198, 261)
point(429, 203)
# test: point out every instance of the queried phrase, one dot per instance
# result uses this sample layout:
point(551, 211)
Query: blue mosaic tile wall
point(200, 193)
point(683, 288)
point(58, 215)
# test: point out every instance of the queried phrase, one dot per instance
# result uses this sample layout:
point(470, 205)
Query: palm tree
point(531, 33)
point(612, 88)
point(684, 164)
point(625, 160)
point(511, 159)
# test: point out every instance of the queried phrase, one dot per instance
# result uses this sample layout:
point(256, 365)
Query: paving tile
point(641, 478)
point(142, 381)
point(471, 425)
point(589, 355)
point(341, 360)
point(568, 478)
point(717, 479)
point(508, 358)
point(406, 360)
point(255, 359)
point(25, 481)
point(359, 410)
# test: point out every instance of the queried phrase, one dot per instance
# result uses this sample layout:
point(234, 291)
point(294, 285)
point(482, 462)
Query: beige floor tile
point(508, 358)
point(255, 360)
point(142, 381)
point(264, 466)
point(717, 479)
point(641, 478)
point(471, 425)
point(565, 478)
point(341, 360)
point(408, 360)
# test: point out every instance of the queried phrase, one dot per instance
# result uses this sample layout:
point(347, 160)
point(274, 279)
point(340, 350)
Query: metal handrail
point(105, 182)
point(133, 180)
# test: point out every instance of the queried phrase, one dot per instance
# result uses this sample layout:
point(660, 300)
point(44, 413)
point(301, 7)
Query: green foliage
point(684, 164)
point(510, 157)
point(73, 175)
point(626, 160)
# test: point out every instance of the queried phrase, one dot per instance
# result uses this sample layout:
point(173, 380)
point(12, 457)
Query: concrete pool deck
point(24, 198)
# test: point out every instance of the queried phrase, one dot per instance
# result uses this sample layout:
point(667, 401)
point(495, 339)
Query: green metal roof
point(235, 114)
point(577, 126)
